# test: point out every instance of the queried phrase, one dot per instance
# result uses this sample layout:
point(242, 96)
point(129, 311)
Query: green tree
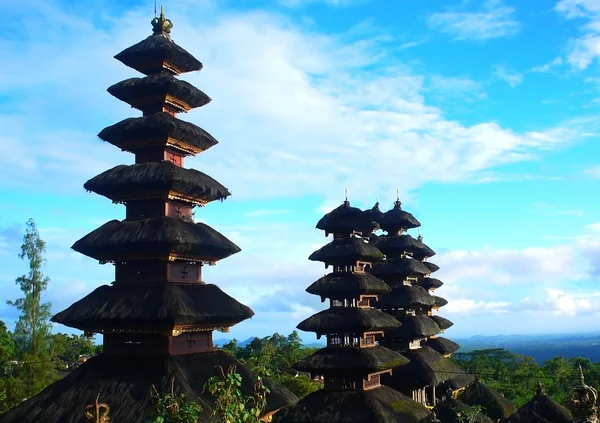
point(7, 347)
point(32, 330)
point(65, 349)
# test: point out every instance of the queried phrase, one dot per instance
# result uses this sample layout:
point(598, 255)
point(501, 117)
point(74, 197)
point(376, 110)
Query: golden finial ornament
point(97, 412)
point(583, 402)
point(162, 25)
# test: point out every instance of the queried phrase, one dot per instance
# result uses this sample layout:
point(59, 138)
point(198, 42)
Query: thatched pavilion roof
point(400, 268)
point(443, 345)
point(348, 320)
point(340, 285)
point(374, 213)
point(495, 404)
point(397, 219)
point(449, 410)
point(159, 237)
point(426, 368)
point(348, 361)
point(430, 283)
point(157, 130)
point(347, 252)
point(431, 266)
point(442, 322)
point(395, 245)
point(380, 405)
point(156, 180)
point(405, 296)
point(439, 301)
point(345, 219)
point(157, 49)
point(419, 326)
point(155, 306)
point(124, 383)
point(541, 409)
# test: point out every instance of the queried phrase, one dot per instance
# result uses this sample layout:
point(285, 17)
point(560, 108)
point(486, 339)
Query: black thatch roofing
point(347, 252)
point(345, 219)
point(155, 50)
point(159, 306)
point(155, 130)
point(443, 345)
point(124, 383)
point(396, 245)
point(400, 267)
point(397, 219)
point(426, 368)
point(339, 285)
point(439, 301)
point(152, 180)
point(448, 411)
point(155, 237)
point(348, 320)
point(380, 405)
point(430, 283)
point(418, 326)
point(405, 296)
point(133, 90)
point(495, 404)
point(431, 266)
point(541, 409)
point(456, 382)
point(345, 361)
point(442, 322)
point(374, 213)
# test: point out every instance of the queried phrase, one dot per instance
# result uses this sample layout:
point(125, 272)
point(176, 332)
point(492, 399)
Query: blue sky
point(482, 114)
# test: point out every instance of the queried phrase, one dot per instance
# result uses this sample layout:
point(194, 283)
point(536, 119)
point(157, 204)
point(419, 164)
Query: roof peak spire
point(160, 24)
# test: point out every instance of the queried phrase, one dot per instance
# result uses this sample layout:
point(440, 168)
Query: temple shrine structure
point(352, 363)
point(158, 316)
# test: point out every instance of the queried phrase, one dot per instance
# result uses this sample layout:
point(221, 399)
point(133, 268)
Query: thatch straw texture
point(347, 252)
point(374, 213)
point(439, 301)
point(153, 306)
point(124, 383)
point(397, 219)
point(456, 382)
point(348, 320)
point(541, 409)
point(426, 368)
point(431, 266)
point(155, 237)
point(337, 361)
point(430, 283)
point(443, 345)
point(442, 322)
point(449, 411)
point(156, 49)
point(156, 129)
point(340, 285)
point(155, 180)
point(133, 89)
point(400, 267)
point(345, 219)
point(405, 296)
point(495, 404)
point(395, 245)
point(380, 405)
point(413, 327)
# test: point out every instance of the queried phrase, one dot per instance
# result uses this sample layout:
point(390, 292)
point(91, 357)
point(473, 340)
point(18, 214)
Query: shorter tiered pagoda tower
point(541, 409)
point(352, 363)
point(584, 402)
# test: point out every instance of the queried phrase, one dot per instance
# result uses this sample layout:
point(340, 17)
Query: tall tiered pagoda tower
point(406, 270)
point(158, 316)
point(351, 363)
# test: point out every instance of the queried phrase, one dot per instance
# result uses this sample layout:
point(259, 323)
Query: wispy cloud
point(510, 76)
point(583, 50)
point(494, 20)
point(548, 66)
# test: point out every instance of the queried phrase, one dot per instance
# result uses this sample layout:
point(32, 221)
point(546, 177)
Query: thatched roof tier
point(443, 345)
point(348, 320)
point(400, 268)
point(158, 130)
point(439, 301)
point(413, 327)
point(161, 237)
point(396, 219)
point(396, 245)
point(426, 368)
point(456, 382)
point(157, 53)
point(451, 409)
point(345, 220)
point(374, 213)
point(347, 252)
point(405, 296)
point(339, 361)
point(442, 322)
point(159, 88)
point(430, 283)
point(340, 285)
point(431, 266)
point(156, 180)
point(124, 382)
point(380, 405)
point(541, 409)
point(158, 307)
point(495, 404)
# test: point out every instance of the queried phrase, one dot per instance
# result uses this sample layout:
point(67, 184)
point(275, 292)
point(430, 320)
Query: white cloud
point(584, 50)
point(495, 20)
point(510, 76)
point(557, 61)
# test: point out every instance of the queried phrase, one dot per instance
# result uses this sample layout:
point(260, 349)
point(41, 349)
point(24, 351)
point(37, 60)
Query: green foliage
point(174, 408)
point(65, 350)
point(7, 347)
point(469, 415)
point(231, 406)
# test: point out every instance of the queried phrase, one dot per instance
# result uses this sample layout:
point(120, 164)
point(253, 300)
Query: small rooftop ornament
point(162, 25)
point(583, 402)
point(97, 412)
